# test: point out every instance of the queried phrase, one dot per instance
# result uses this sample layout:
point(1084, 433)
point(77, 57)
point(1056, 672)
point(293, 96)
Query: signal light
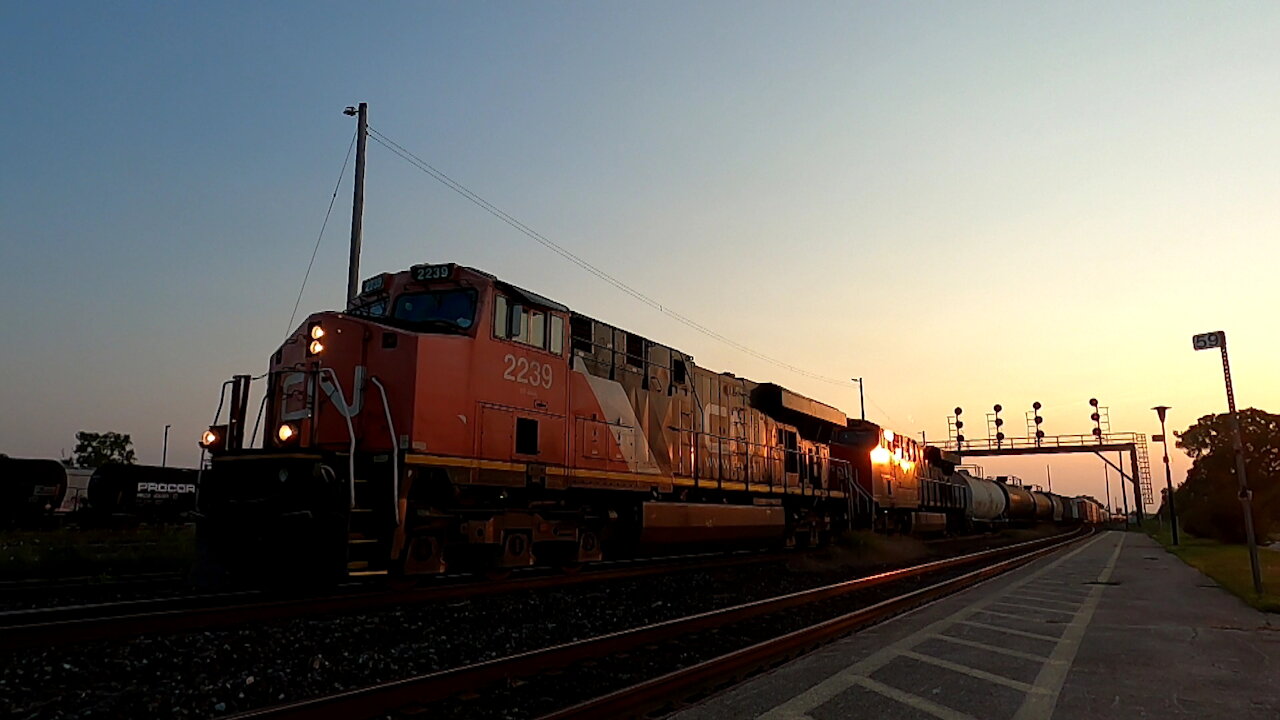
point(999, 436)
point(958, 411)
point(960, 438)
point(1097, 432)
point(1040, 434)
point(999, 422)
point(959, 424)
point(1093, 402)
point(1036, 405)
point(1039, 419)
point(997, 407)
point(1095, 417)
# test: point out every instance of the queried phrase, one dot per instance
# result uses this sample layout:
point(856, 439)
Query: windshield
point(443, 309)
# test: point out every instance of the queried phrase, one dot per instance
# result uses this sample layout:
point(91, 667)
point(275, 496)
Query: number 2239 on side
point(527, 372)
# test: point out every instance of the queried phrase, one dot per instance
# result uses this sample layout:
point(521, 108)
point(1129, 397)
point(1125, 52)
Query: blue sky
point(965, 203)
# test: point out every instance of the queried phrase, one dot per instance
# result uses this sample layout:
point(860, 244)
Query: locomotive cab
point(344, 396)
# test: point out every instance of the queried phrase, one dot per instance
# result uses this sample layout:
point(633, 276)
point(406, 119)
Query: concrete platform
point(1113, 627)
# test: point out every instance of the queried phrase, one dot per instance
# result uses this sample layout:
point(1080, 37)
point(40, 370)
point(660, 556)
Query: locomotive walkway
point(1115, 628)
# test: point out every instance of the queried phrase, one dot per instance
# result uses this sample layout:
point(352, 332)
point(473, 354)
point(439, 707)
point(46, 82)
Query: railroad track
point(531, 679)
point(44, 627)
point(24, 589)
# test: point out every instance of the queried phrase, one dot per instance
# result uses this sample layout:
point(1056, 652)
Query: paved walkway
point(1112, 628)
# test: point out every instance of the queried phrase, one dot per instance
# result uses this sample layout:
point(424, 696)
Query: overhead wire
point(325, 224)
point(459, 188)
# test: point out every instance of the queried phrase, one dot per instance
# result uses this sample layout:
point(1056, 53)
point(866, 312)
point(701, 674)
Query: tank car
point(1043, 506)
point(128, 493)
point(1020, 504)
point(447, 417)
point(987, 502)
point(30, 491)
point(1059, 508)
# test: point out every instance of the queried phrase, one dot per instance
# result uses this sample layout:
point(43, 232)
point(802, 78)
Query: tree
point(1209, 502)
point(97, 449)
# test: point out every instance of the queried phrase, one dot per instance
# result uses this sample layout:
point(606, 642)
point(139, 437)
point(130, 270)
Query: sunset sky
point(963, 203)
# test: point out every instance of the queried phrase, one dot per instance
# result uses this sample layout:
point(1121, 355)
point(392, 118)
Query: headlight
point(213, 438)
point(317, 332)
point(316, 347)
point(286, 433)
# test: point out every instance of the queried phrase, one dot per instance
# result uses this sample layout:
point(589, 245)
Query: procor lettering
point(166, 487)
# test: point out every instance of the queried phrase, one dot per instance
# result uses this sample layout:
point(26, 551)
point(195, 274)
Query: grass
point(1226, 564)
point(70, 552)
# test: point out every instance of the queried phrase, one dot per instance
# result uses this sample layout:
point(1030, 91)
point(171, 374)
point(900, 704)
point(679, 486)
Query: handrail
point(395, 451)
point(351, 433)
point(773, 456)
point(1083, 442)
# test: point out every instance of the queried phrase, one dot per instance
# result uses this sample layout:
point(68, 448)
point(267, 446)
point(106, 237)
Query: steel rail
point(415, 691)
point(650, 695)
point(105, 621)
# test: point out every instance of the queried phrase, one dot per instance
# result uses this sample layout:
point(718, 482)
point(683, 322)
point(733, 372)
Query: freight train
point(449, 418)
point(37, 493)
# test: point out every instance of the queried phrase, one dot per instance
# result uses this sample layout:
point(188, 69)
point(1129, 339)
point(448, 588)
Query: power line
point(323, 225)
point(490, 208)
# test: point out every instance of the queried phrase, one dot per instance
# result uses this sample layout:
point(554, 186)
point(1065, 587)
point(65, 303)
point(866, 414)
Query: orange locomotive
point(909, 485)
point(449, 417)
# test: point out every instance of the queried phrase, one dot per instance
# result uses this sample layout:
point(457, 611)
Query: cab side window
point(528, 326)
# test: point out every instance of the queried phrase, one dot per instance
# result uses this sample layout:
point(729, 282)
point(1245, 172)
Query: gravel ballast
point(207, 674)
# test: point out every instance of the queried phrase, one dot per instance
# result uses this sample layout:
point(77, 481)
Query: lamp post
point(164, 453)
point(862, 403)
point(1168, 475)
point(1206, 341)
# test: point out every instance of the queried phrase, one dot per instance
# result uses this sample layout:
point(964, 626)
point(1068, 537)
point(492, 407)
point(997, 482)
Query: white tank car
point(1059, 508)
point(986, 501)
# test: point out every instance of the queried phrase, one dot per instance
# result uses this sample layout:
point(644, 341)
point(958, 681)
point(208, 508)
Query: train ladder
point(1144, 471)
point(367, 539)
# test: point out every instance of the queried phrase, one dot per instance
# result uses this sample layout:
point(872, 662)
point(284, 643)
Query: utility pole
point(1168, 474)
point(164, 454)
point(1049, 476)
point(1218, 339)
point(357, 202)
point(862, 403)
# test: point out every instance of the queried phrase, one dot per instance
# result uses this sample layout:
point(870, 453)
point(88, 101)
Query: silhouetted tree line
point(1208, 502)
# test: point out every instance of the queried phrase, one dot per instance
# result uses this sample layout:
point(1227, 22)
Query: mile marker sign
point(1208, 341)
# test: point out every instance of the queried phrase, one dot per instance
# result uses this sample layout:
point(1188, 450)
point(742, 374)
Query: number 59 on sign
point(1208, 341)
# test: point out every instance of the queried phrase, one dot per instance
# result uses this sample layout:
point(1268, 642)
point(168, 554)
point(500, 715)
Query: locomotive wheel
point(425, 556)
